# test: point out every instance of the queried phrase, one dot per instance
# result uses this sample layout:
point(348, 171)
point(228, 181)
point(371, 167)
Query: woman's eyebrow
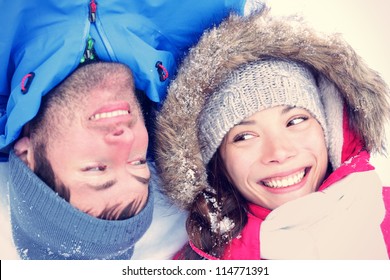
point(246, 122)
point(287, 109)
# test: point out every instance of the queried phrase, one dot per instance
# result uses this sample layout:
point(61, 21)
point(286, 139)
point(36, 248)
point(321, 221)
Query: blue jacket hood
point(43, 43)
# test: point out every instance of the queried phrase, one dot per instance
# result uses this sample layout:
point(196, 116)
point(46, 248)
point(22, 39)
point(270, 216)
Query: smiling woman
point(278, 166)
point(263, 109)
point(261, 165)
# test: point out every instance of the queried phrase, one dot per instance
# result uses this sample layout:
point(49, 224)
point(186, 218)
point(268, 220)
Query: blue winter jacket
point(43, 41)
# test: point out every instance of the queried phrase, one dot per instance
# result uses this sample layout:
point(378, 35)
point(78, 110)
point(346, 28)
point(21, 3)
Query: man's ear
point(24, 150)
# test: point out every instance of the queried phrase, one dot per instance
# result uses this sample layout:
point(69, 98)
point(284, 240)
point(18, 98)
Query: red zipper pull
point(26, 82)
point(92, 11)
point(162, 71)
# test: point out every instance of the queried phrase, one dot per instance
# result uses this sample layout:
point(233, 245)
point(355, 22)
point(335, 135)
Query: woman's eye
point(243, 137)
point(297, 120)
point(138, 162)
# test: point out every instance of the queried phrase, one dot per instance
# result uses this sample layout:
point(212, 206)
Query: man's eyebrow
point(103, 186)
point(111, 183)
point(142, 180)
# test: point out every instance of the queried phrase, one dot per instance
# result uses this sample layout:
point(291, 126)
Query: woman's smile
point(283, 184)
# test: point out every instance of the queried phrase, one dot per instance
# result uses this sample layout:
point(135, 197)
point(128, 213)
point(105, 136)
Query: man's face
point(100, 156)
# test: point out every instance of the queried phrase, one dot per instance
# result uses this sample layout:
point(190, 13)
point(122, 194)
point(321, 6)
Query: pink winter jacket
point(248, 247)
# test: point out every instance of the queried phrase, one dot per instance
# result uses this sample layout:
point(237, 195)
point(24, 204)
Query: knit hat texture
point(45, 226)
point(254, 87)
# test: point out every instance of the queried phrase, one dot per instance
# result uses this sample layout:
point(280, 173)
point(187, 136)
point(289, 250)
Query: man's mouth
point(286, 181)
point(106, 115)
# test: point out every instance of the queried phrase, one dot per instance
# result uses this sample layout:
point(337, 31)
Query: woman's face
point(276, 155)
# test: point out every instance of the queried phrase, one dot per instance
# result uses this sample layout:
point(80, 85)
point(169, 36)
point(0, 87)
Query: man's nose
point(121, 134)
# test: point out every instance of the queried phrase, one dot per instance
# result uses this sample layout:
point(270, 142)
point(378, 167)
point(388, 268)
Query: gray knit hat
point(252, 88)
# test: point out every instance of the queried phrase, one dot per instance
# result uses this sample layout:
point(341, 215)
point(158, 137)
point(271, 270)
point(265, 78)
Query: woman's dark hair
point(216, 204)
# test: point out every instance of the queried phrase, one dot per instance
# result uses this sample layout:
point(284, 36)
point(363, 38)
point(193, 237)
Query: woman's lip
point(280, 175)
point(291, 188)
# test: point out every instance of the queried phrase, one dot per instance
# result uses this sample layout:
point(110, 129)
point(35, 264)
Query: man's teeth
point(109, 114)
point(286, 181)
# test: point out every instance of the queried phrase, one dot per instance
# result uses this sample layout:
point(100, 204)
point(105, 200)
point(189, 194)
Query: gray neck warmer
point(45, 226)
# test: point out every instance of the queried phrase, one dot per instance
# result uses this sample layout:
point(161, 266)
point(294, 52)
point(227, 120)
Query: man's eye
point(297, 120)
point(96, 168)
point(243, 137)
point(138, 162)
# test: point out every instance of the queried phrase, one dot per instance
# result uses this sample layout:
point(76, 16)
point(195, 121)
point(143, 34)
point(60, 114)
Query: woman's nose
point(277, 150)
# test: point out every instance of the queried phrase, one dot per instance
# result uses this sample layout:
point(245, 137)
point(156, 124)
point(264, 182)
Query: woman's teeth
point(109, 115)
point(285, 181)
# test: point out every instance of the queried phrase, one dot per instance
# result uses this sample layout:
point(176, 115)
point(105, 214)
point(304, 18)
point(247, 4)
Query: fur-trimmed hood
point(348, 87)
